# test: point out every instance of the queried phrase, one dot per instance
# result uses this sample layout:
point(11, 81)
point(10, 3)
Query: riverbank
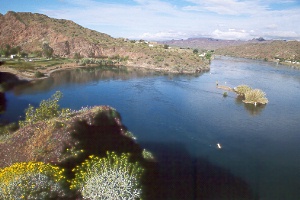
point(30, 75)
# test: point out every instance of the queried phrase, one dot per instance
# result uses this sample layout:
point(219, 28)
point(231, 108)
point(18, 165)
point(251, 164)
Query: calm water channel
point(181, 119)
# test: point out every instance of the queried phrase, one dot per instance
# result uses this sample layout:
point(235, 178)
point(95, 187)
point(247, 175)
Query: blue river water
point(182, 119)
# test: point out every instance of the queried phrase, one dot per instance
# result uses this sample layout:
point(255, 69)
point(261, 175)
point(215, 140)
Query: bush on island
point(255, 96)
point(242, 89)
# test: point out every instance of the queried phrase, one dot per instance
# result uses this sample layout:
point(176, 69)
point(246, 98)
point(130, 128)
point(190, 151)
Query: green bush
point(32, 180)
point(38, 74)
point(48, 109)
point(255, 96)
point(147, 155)
point(9, 128)
point(242, 89)
point(112, 177)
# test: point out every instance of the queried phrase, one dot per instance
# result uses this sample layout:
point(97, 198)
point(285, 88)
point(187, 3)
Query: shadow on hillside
point(174, 175)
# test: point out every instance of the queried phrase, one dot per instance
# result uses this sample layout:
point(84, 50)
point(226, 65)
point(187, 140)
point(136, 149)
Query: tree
point(166, 46)
point(47, 50)
point(77, 56)
point(195, 51)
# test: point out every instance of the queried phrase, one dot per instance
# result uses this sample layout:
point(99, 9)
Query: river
point(183, 118)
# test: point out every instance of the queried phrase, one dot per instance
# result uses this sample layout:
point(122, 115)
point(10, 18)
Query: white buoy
point(219, 146)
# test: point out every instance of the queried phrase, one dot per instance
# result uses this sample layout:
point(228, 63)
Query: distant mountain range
point(210, 43)
point(30, 31)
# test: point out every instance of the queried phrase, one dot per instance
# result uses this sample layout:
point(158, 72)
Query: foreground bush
point(255, 96)
point(32, 180)
point(47, 109)
point(113, 177)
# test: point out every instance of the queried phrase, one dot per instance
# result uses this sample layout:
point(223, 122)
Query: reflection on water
point(250, 108)
point(87, 75)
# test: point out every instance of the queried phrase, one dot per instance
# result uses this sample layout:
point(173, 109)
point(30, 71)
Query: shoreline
point(29, 76)
point(284, 64)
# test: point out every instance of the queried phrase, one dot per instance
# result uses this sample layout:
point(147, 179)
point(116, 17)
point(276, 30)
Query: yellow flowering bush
point(32, 180)
point(112, 177)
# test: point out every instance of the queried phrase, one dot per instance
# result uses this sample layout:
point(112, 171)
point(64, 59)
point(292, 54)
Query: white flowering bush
point(109, 178)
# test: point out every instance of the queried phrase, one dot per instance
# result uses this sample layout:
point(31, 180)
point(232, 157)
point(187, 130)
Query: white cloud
point(227, 7)
point(282, 35)
point(154, 19)
point(233, 34)
point(164, 35)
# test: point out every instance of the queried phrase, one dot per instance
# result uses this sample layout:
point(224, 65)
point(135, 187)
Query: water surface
point(181, 119)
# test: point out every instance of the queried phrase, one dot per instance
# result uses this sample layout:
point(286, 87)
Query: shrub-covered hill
point(69, 141)
point(86, 132)
point(287, 52)
point(30, 32)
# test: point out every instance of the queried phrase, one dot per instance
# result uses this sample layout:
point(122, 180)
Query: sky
point(174, 19)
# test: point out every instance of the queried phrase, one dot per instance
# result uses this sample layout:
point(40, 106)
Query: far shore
point(30, 76)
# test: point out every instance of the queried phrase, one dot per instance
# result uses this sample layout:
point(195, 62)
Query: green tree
point(195, 51)
point(47, 50)
point(77, 56)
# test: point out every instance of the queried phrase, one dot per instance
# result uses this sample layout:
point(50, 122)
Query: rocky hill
point(30, 31)
point(286, 52)
point(210, 43)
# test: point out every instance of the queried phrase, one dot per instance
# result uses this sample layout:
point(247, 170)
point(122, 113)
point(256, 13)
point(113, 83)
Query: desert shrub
point(32, 180)
point(47, 109)
point(112, 177)
point(255, 96)
point(242, 89)
point(130, 135)
point(147, 155)
point(38, 74)
point(7, 129)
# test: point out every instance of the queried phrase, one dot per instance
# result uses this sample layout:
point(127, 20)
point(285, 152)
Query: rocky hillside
point(30, 31)
point(287, 52)
point(210, 43)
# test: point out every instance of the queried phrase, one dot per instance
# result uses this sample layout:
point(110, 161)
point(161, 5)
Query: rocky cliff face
point(30, 31)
